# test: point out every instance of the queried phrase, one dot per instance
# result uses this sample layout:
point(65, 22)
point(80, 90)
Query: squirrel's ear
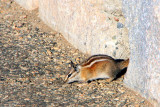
point(72, 64)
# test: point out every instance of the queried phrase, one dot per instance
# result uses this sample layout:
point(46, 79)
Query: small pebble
point(49, 52)
point(120, 25)
point(26, 99)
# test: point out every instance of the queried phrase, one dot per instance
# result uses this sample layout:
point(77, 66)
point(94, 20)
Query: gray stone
point(143, 21)
point(120, 25)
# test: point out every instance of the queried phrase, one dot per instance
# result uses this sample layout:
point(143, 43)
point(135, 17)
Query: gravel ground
point(34, 60)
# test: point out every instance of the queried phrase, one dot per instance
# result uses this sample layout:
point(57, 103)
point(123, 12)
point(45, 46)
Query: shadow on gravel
point(14, 62)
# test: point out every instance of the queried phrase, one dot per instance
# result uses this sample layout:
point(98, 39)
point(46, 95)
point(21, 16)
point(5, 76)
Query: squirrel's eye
point(69, 75)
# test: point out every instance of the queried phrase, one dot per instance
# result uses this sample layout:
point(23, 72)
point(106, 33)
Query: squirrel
point(96, 67)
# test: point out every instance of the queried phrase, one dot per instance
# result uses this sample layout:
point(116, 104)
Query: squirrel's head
point(73, 74)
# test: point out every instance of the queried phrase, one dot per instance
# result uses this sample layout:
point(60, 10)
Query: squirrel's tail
point(123, 64)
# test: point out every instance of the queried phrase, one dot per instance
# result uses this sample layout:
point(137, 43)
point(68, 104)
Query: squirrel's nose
point(65, 79)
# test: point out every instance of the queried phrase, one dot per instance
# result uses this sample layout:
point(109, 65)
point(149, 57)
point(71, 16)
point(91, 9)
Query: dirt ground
point(34, 60)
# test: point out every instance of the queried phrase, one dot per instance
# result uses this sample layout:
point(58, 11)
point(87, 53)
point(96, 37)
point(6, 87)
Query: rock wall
point(143, 22)
point(28, 4)
point(92, 26)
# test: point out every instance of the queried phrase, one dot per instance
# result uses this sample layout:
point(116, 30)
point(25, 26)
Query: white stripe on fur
point(98, 60)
